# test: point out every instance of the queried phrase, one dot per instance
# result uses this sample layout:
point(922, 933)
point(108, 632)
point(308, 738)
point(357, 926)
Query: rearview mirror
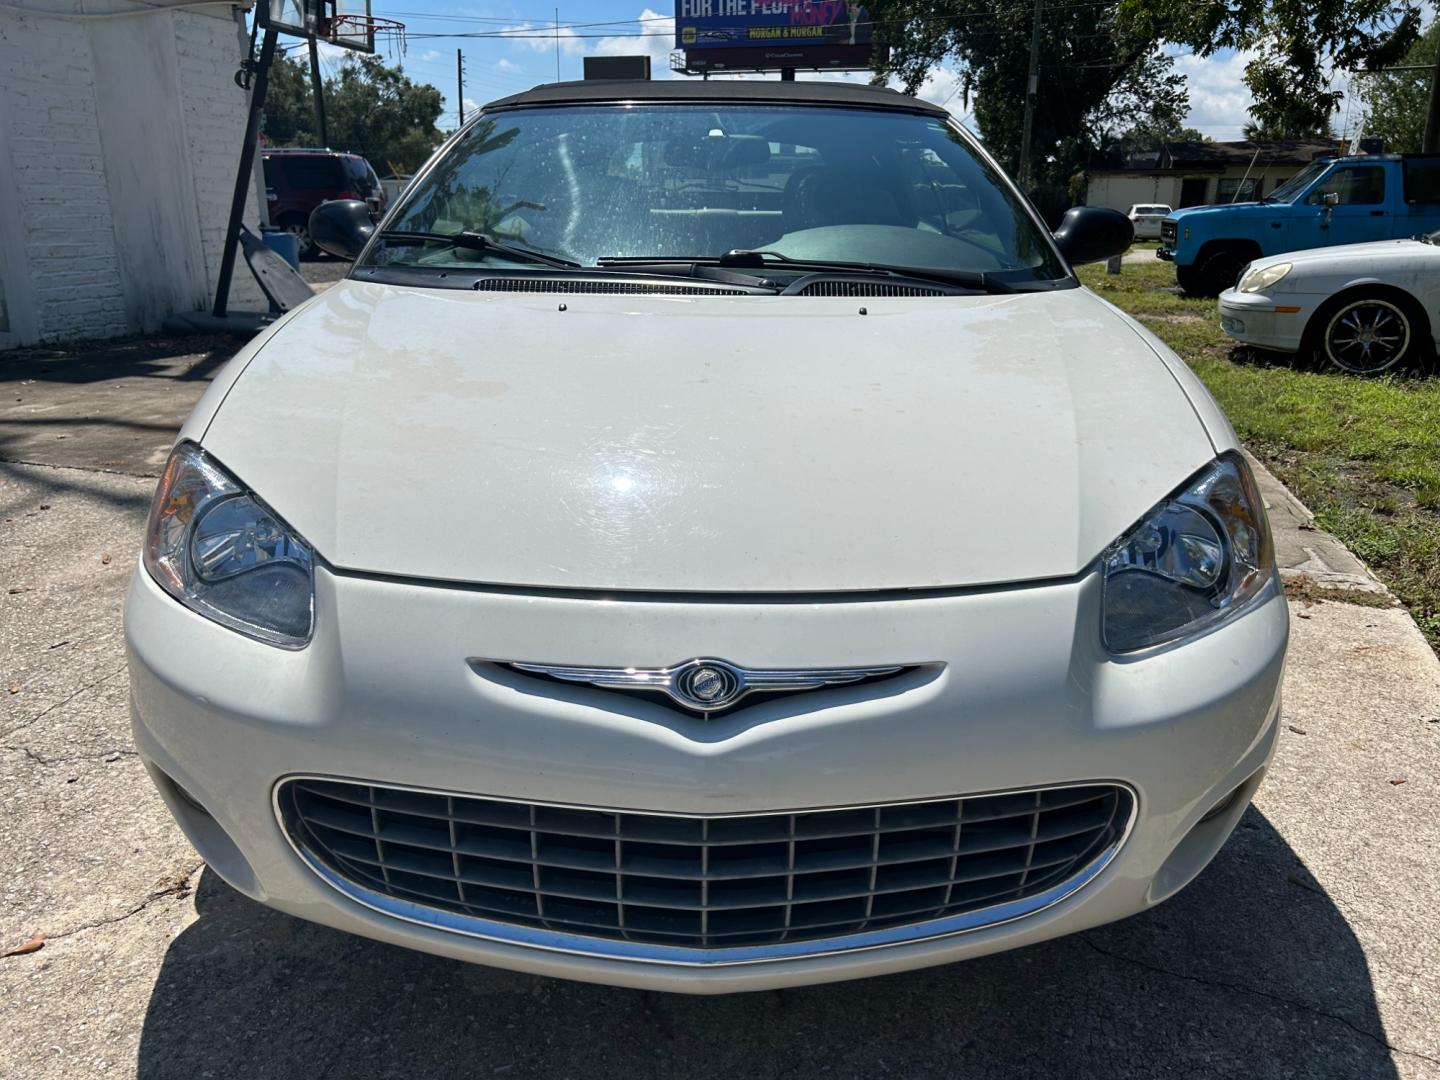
point(341, 227)
point(1092, 233)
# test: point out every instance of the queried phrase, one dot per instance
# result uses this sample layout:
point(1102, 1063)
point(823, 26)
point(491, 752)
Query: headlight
point(224, 554)
point(1255, 280)
point(1193, 561)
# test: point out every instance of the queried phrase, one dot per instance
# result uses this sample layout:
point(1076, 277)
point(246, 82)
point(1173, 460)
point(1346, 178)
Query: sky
point(500, 65)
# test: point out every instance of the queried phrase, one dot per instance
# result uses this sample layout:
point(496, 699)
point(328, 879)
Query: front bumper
point(1026, 699)
point(1267, 321)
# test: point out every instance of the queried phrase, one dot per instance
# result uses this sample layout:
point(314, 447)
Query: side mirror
point(341, 227)
point(1092, 233)
point(1331, 198)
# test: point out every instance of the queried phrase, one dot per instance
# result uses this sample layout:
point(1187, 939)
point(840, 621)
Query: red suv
point(299, 179)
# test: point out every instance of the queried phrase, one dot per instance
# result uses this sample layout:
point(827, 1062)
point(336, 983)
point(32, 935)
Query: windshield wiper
point(966, 279)
point(739, 259)
point(478, 241)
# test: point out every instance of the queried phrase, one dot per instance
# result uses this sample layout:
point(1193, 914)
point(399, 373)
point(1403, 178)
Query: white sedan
point(1146, 218)
point(683, 554)
point(1365, 309)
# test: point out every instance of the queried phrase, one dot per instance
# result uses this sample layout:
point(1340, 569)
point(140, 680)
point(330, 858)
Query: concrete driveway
point(1310, 948)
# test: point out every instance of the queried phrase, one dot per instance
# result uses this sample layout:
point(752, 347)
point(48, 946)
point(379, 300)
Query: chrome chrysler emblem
point(706, 685)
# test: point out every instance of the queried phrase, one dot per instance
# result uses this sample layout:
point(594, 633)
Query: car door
point(1421, 205)
point(1356, 208)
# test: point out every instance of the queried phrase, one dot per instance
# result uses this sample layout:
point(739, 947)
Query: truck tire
point(1217, 271)
point(1370, 332)
point(1188, 280)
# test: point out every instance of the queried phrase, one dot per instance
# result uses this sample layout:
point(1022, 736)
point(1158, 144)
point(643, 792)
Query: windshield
point(1297, 183)
point(668, 181)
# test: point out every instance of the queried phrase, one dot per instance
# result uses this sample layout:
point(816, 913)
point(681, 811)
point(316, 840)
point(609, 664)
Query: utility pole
point(1032, 89)
point(460, 84)
point(1431, 143)
point(319, 92)
point(557, 44)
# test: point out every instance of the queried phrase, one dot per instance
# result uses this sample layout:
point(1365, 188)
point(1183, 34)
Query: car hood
point(1343, 256)
point(1191, 213)
point(716, 444)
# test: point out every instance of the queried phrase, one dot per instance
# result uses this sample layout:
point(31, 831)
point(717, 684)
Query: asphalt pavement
point(1309, 948)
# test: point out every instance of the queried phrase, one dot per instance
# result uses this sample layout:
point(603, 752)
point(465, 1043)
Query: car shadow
point(186, 359)
point(1251, 971)
point(111, 406)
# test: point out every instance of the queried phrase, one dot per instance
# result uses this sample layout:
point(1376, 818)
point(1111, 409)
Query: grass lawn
point(1363, 454)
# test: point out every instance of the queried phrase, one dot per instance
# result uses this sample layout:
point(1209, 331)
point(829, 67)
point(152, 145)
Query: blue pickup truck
point(1342, 200)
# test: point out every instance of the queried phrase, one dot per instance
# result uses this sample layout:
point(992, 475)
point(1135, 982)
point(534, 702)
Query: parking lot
point(1311, 947)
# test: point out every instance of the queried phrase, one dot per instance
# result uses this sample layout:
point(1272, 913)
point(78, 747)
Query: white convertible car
point(710, 541)
point(1366, 309)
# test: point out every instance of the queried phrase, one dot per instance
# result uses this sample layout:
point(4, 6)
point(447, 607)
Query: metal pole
point(1431, 143)
point(243, 175)
point(460, 84)
point(1032, 89)
point(557, 44)
point(319, 91)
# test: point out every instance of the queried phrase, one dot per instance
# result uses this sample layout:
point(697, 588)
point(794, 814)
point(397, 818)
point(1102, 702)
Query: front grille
point(1169, 230)
point(704, 882)
point(604, 287)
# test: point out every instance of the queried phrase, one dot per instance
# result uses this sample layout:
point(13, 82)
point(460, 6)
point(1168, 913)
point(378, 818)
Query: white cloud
point(1219, 97)
point(1220, 100)
point(658, 44)
point(430, 55)
point(507, 65)
point(541, 38)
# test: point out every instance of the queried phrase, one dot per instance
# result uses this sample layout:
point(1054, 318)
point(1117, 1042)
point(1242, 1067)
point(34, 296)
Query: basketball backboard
point(347, 23)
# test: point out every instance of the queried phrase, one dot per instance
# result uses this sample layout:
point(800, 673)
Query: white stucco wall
point(119, 140)
point(1119, 192)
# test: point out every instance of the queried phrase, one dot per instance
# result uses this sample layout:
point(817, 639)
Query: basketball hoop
point(361, 31)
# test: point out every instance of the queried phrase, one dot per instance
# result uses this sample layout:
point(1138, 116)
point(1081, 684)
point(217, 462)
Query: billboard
point(770, 24)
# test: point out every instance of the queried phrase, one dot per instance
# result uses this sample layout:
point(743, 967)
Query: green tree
point(1257, 131)
point(289, 107)
point(1097, 78)
point(1395, 104)
point(371, 108)
point(1102, 71)
point(1299, 47)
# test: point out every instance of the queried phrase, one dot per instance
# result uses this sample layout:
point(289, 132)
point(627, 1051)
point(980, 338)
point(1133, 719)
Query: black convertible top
point(599, 91)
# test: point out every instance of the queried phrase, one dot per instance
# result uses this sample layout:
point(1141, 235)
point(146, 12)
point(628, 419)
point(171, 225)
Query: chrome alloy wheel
point(1367, 337)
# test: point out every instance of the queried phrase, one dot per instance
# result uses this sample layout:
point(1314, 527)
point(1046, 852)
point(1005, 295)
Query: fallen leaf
point(1398, 780)
point(105, 558)
point(35, 944)
point(44, 506)
point(1297, 730)
point(19, 589)
point(14, 688)
point(1303, 615)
